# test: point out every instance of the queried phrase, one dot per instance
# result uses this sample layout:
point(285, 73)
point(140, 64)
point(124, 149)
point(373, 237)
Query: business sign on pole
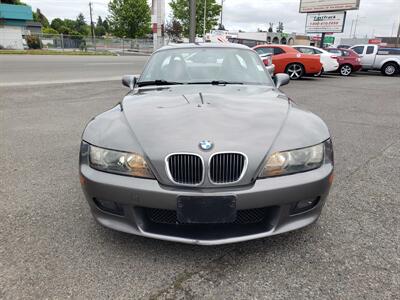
point(374, 41)
point(310, 6)
point(327, 39)
point(332, 22)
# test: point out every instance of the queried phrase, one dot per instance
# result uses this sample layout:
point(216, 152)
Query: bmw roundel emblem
point(205, 145)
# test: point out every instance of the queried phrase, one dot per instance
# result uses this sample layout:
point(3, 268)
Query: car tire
point(319, 73)
point(390, 69)
point(345, 70)
point(295, 71)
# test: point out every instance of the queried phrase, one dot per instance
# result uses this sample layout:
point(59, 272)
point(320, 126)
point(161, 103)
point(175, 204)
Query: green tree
point(81, 26)
point(39, 17)
point(106, 25)
point(280, 27)
point(99, 21)
point(130, 18)
point(100, 30)
point(56, 24)
point(180, 12)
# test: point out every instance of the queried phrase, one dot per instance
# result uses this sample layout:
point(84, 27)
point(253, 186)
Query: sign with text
point(309, 6)
point(325, 22)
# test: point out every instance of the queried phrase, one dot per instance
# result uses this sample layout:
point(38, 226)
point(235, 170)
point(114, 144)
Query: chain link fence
point(65, 42)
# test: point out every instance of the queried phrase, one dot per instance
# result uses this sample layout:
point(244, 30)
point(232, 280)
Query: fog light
point(109, 206)
point(303, 205)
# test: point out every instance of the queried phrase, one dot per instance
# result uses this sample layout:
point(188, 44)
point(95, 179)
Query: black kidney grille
point(226, 167)
point(185, 168)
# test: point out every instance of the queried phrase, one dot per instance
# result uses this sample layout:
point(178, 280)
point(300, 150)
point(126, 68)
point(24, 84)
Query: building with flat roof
point(14, 23)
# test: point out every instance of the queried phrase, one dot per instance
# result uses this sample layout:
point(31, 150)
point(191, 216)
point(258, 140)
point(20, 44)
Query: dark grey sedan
point(205, 149)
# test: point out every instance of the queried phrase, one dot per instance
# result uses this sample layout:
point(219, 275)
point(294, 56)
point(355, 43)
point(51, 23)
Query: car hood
point(234, 118)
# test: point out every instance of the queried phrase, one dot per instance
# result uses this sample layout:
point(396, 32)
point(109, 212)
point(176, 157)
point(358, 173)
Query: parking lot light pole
point(321, 44)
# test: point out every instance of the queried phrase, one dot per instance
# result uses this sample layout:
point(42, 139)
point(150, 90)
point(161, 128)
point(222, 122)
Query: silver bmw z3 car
point(205, 149)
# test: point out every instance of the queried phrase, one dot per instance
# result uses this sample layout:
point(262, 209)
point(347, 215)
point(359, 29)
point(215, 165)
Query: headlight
point(124, 163)
point(299, 160)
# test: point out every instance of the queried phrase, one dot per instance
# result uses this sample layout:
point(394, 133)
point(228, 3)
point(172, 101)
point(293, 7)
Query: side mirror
point(281, 79)
point(129, 81)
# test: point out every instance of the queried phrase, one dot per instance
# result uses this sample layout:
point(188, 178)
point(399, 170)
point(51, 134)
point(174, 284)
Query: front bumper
point(135, 196)
point(356, 68)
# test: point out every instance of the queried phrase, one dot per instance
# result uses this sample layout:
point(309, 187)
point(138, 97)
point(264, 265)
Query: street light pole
point(351, 28)
point(355, 27)
point(192, 23)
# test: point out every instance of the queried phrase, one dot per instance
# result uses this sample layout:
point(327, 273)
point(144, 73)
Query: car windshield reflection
point(205, 66)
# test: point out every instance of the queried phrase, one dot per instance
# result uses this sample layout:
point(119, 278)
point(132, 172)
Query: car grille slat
point(185, 168)
point(226, 167)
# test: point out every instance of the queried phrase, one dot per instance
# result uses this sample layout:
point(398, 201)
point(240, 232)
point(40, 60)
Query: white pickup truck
point(373, 57)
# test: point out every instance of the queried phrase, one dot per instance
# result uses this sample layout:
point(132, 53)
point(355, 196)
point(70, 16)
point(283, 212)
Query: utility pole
point(398, 36)
point(157, 20)
point(204, 21)
point(222, 10)
point(192, 22)
point(92, 26)
point(154, 23)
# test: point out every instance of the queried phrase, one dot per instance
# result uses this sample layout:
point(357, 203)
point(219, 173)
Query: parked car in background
point(328, 60)
point(267, 60)
point(387, 60)
point(288, 60)
point(349, 61)
point(343, 46)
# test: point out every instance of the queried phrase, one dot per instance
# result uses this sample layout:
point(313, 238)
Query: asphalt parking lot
point(52, 248)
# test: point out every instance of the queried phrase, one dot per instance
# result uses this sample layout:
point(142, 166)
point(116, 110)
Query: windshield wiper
point(216, 82)
point(158, 82)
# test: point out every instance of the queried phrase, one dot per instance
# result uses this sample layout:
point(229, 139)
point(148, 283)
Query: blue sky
point(378, 17)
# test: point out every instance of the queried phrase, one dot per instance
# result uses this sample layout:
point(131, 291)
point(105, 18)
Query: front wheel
point(295, 71)
point(390, 69)
point(345, 70)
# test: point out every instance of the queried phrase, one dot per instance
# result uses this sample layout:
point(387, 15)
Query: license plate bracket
point(206, 210)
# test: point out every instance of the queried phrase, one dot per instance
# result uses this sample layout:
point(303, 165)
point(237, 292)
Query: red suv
point(349, 61)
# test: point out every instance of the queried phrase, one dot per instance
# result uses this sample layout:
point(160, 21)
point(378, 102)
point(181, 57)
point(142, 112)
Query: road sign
point(308, 6)
point(325, 22)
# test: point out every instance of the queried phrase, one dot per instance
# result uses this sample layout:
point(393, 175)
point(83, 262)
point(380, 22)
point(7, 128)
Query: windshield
point(205, 65)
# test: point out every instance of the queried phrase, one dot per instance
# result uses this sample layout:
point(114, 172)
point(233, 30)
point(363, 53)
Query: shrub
point(33, 42)
point(1, 47)
point(49, 30)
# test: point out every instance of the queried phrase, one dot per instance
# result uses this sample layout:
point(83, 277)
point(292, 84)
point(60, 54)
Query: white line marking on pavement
point(81, 80)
